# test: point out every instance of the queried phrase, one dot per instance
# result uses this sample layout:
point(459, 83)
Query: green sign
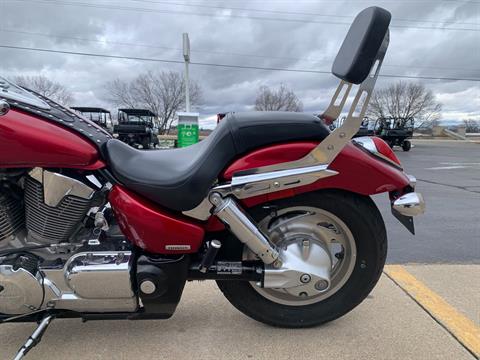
point(187, 134)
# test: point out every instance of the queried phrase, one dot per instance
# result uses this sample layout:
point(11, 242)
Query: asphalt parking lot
point(448, 175)
point(426, 305)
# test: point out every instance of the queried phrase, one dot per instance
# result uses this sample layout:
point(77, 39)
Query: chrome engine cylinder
point(52, 214)
point(54, 205)
point(240, 224)
point(11, 217)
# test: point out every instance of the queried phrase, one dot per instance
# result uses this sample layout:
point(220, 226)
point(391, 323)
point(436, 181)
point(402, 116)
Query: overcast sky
point(296, 34)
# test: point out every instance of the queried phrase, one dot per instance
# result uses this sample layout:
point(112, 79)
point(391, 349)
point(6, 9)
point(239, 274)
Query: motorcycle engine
point(51, 249)
point(50, 211)
point(54, 206)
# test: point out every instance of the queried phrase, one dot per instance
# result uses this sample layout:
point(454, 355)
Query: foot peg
point(35, 338)
point(212, 251)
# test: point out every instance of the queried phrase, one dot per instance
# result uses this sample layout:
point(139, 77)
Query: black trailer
point(137, 127)
point(98, 115)
point(395, 131)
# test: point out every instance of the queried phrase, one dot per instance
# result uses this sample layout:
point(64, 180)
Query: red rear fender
point(359, 172)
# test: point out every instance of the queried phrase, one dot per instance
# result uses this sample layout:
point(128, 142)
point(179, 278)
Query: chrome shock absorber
point(242, 226)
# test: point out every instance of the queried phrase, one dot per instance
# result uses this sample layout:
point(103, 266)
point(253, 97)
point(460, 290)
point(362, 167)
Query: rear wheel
point(349, 225)
point(407, 145)
point(145, 143)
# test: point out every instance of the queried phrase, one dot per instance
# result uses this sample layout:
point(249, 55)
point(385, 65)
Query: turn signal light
point(379, 148)
point(384, 149)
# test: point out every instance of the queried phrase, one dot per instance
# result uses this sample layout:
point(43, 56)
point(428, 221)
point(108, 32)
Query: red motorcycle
point(272, 206)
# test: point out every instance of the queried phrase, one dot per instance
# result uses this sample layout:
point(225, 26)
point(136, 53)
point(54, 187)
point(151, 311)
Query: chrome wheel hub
point(304, 270)
point(317, 255)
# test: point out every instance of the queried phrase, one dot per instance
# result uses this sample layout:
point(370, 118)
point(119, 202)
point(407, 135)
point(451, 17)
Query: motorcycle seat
point(179, 179)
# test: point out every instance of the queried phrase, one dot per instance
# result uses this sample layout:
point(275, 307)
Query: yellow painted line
point(461, 327)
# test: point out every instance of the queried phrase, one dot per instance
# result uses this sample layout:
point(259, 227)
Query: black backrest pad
point(360, 47)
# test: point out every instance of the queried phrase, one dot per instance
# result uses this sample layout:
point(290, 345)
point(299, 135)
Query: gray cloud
point(286, 44)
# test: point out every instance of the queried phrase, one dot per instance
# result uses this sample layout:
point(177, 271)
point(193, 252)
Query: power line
point(282, 11)
point(369, 1)
point(261, 18)
point(329, 61)
point(224, 65)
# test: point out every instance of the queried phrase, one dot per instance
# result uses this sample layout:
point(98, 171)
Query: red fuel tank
point(29, 141)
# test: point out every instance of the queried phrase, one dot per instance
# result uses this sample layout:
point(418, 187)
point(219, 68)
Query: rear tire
point(407, 145)
point(364, 221)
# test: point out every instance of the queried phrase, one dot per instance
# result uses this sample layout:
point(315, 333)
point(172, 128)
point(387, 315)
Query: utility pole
point(188, 129)
point(186, 57)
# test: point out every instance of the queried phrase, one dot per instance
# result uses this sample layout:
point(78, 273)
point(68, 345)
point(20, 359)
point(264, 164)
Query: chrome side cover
point(88, 282)
point(99, 275)
point(92, 282)
point(21, 291)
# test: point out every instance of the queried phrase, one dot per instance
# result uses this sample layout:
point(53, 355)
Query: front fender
point(358, 171)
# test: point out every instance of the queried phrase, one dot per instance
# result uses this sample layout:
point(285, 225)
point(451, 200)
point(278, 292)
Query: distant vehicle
point(98, 115)
point(395, 131)
point(366, 128)
point(137, 127)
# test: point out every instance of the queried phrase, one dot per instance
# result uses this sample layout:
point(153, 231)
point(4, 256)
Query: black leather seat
point(179, 179)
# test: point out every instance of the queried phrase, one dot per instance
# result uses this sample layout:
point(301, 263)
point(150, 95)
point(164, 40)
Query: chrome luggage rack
point(314, 165)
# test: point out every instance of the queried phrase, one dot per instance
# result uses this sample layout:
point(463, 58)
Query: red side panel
point(152, 228)
point(359, 172)
point(27, 141)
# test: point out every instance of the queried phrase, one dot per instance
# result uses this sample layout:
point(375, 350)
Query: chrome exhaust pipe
point(240, 224)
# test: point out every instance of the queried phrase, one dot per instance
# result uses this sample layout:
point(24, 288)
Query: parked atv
point(137, 127)
point(395, 131)
point(98, 115)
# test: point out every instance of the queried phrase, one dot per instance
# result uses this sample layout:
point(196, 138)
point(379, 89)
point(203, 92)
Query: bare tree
point(471, 126)
point(281, 99)
point(161, 92)
point(406, 100)
point(45, 87)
